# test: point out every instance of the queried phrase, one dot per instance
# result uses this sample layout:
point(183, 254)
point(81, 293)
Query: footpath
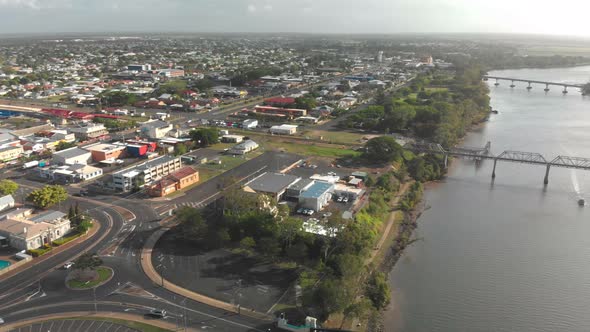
point(150, 271)
point(99, 316)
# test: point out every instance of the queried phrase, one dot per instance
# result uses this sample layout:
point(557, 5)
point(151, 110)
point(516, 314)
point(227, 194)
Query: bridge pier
point(494, 170)
point(546, 180)
point(546, 87)
point(512, 85)
point(529, 87)
point(564, 89)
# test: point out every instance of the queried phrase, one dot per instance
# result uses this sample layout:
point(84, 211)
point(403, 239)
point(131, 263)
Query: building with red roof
point(280, 101)
point(178, 180)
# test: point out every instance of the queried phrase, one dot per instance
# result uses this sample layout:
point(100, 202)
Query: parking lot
point(66, 325)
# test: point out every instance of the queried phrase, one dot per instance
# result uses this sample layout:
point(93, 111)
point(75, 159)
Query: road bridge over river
point(531, 158)
point(530, 82)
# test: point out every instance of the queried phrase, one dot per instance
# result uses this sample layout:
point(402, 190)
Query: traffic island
point(89, 278)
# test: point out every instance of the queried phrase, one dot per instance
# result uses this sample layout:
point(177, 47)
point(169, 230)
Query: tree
point(8, 187)
point(306, 103)
point(289, 229)
point(87, 261)
point(378, 291)
point(205, 136)
point(180, 149)
point(64, 145)
point(383, 149)
point(247, 243)
point(84, 226)
point(192, 224)
point(48, 196)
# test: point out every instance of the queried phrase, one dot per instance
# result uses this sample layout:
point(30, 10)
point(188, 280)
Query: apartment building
point(145, 173)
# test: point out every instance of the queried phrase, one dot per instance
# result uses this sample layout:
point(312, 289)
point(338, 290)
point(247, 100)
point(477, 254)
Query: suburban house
point(72, 156)
point(177, 180)
point(32, 232)
point(6, 202)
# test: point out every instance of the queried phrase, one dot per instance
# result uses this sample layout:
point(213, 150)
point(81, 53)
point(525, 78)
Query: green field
point(103, 275)
point(337, 137)
point(312, 150)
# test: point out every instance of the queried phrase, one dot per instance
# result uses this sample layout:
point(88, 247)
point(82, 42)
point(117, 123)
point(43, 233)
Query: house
point(155, 129)
point(347, 102)
point(72, 156)
point(283, 129)
point(243, 148)
point(272, 184)
point(177, 180)
point(316, 196)
point(232, 138)
point(6, 202)
point(145, 173)
point(250, 124)
point(101, 152)
point(322, 111)
point(25, 233)
point(10, 153)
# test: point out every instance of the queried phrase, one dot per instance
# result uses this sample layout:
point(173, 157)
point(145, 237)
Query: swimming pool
point(4, 264)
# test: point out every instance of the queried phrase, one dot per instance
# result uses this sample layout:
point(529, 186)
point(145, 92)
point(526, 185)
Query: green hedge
point(39, 252)
point(72, 236)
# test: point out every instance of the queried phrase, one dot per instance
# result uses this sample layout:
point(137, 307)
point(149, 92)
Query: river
point(509, 254)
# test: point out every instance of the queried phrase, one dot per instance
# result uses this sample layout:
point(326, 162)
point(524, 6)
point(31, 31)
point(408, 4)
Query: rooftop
point(317, 189)
point(272, 182)
point(47, 216)
point(71, 152)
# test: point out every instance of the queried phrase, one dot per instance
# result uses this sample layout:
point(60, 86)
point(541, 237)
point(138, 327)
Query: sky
point(308, 16)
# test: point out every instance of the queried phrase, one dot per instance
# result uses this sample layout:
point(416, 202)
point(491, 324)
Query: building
point(283, 129)
point(272, 184)
point(10, 153)
point(101, 152)
point(232, 138)
point(380, 56)
point(296, 189)
point(347, 102)
point(25, 233)
point(178, 180)
point(134, 67)
point(155, 129)
point(288, 112)
point(70, 173)
point(172, 72)
point(316, 196)
point(250, 124)
point(280, 101)
point(90, 132)
point(6, 202)
point(72, 156)
point(243, 148)
point(145, 173)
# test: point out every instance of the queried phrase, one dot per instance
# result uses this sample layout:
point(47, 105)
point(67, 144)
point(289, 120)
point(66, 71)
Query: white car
point(345, 199)
point(68, 265)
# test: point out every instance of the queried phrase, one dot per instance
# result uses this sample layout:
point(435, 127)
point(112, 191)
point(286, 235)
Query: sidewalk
point(90, 315)
point(150, 271)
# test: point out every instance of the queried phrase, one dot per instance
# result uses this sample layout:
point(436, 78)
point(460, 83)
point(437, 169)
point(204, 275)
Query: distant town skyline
point(317, 16)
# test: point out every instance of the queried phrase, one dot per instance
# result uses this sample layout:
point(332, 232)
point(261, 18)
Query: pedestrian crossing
point(165, 209)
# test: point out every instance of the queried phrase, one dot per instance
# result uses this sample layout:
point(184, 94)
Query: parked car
point(68, 265)
point(345, 199)
point(339, 199)
point(300, 210)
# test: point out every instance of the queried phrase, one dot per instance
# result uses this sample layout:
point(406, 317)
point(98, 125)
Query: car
point(158, 313)
point(300, 210)
point(345, 199)
point(310, 212)
point(68, 265)
point(339, 199)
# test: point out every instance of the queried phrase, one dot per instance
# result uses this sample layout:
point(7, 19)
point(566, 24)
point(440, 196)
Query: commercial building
point(172, 72)
point(89, 132)
point(178, 180)
point(289, 112)
point(232, 138)
point(272, 184)
point(145, 173)
point(283, 129)
point(316, 196)
point(25, 233)
point(101, 152)
point(243, 148)
point(155, 129)
point(135, 67)
point(296, 189)
point(280, 101)
point(72, 156)
point(10, 153)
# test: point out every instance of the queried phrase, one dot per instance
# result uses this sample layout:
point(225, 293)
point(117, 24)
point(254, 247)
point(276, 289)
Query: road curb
point(96, 286)
point(155, 277)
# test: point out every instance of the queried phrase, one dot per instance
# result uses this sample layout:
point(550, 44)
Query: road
point(40, 289)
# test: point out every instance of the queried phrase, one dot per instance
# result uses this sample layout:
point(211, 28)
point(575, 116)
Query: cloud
point(31, 4)
point(251, 8)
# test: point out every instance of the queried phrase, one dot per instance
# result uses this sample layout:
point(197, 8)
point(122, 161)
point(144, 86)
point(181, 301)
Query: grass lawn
point(312, 150)
point(131, 324)
point(336, 137)
point(103, 275)
point(436, 89)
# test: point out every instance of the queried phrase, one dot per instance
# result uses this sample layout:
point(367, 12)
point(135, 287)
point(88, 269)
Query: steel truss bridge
point(531, 158)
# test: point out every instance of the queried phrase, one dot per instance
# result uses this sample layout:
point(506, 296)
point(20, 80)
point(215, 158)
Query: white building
point(32, 232)
point(283, 129)
point(250, 124)
point(155, 129)
point(72, 156)
point(316, 196)
point(146, 173)
point(6, 202)
point(91, 131)
point(243, 148)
